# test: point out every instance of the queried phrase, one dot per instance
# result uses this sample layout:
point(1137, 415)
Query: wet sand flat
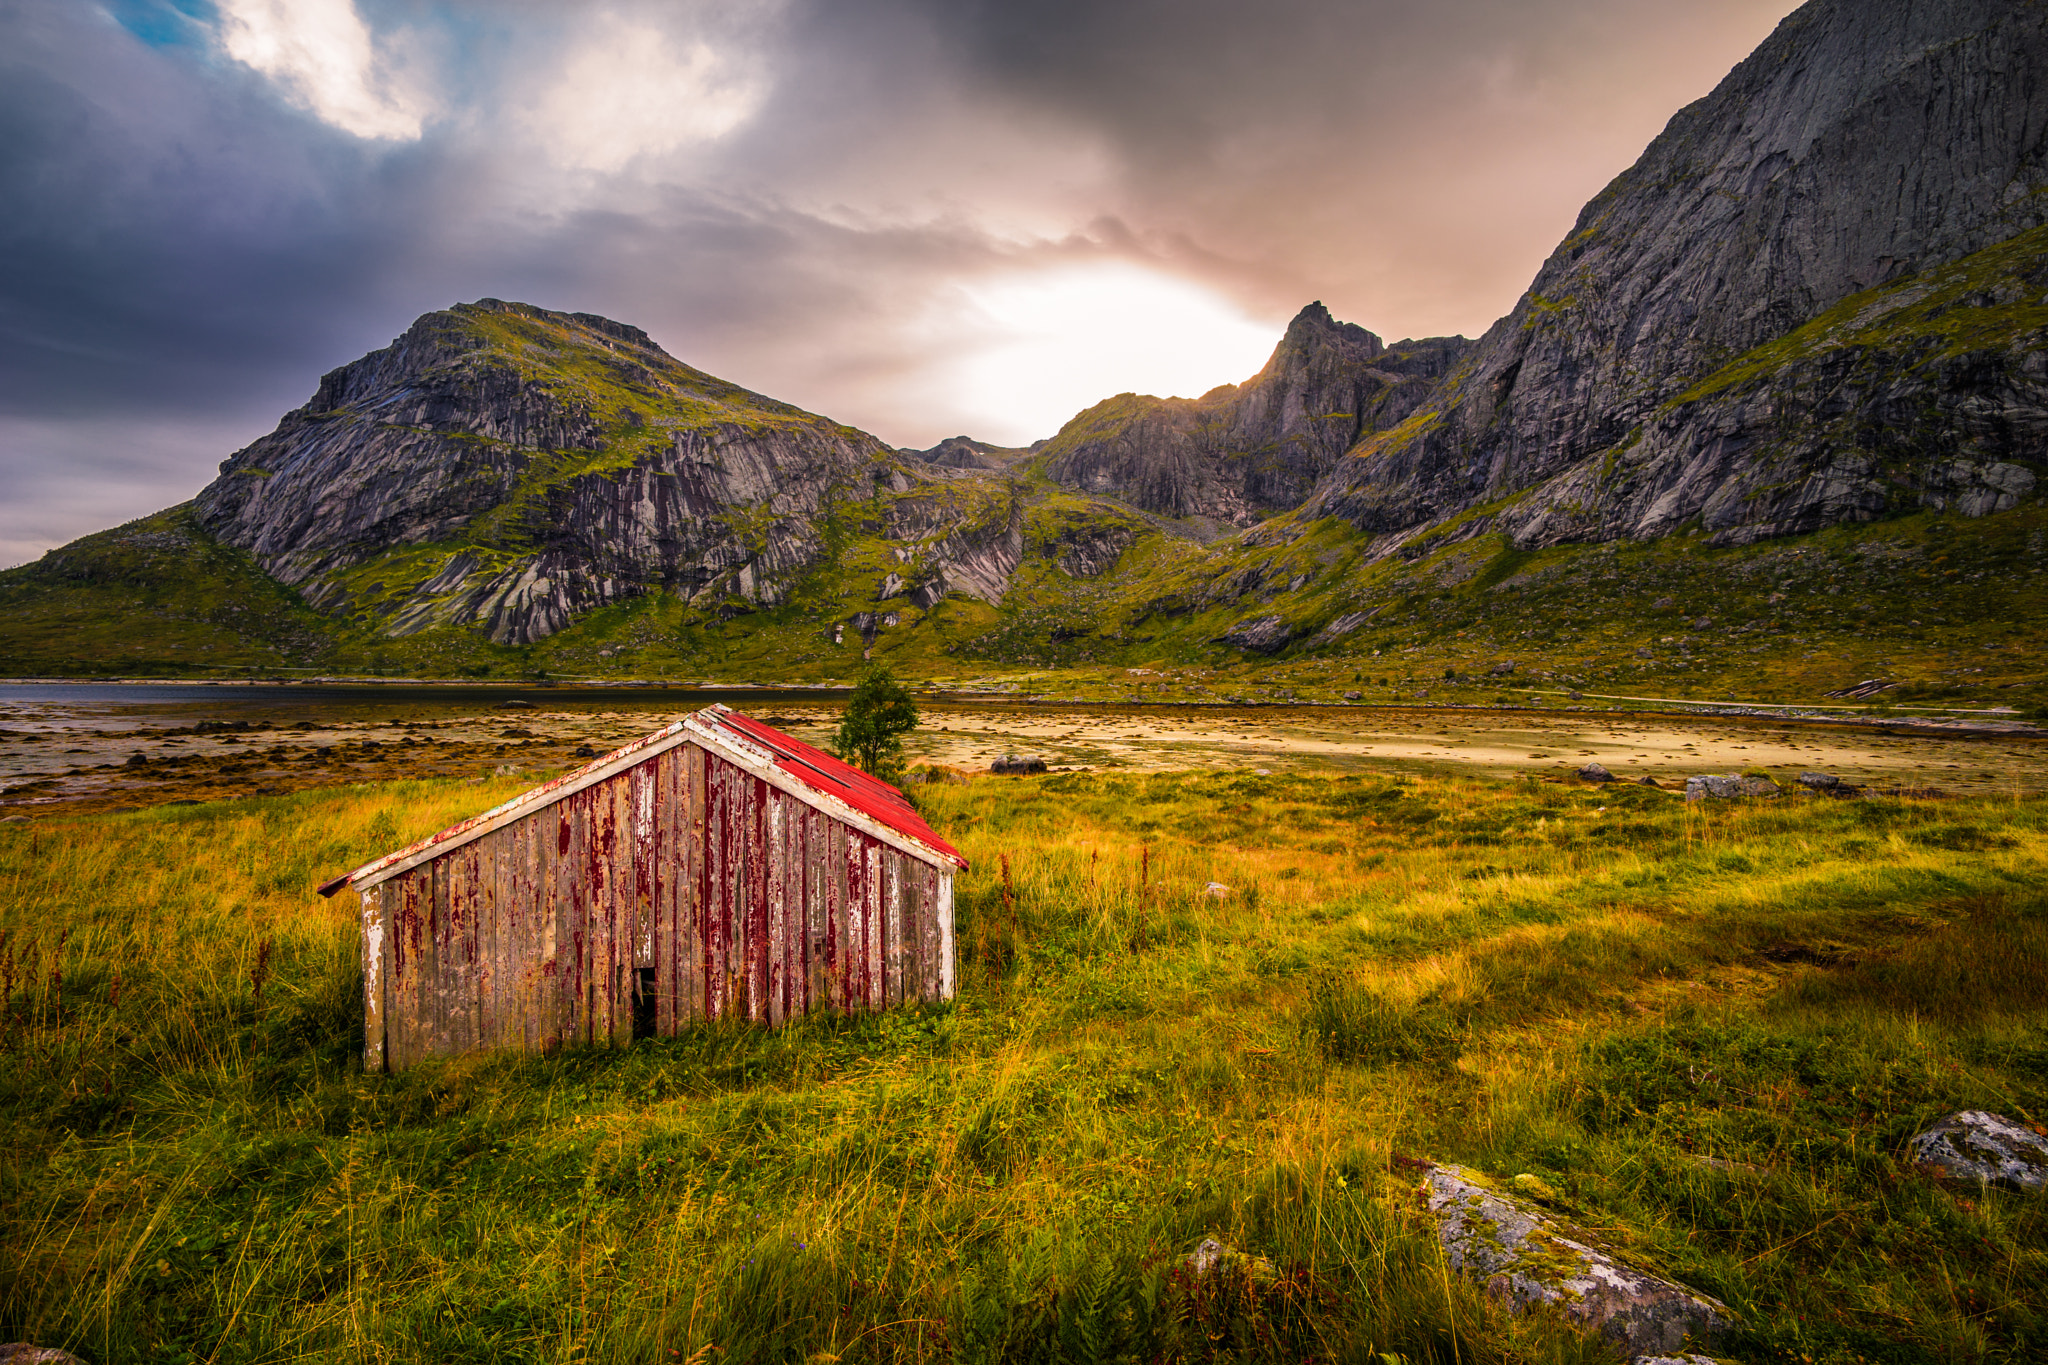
point(1664, 747)
point(73, 749)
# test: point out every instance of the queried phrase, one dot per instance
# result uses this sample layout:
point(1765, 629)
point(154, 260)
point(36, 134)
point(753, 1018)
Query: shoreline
point(1933, 720)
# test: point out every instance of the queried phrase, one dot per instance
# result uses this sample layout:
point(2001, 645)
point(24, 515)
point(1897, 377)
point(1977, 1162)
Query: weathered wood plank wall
point(736, 897)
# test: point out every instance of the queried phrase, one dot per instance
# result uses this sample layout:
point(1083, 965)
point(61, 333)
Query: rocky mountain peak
point(1634, 391)
point(964, 452)
point(510, 466)
point(1242, 452)
point(1314, 330)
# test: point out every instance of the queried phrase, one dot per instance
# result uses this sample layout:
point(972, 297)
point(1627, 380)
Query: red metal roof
point(814, 768)
point(820, 771)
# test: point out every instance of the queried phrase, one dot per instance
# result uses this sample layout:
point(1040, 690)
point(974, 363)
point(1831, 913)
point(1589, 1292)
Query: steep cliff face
point(1817, 297)
point(510, 467)
point(1242, 452)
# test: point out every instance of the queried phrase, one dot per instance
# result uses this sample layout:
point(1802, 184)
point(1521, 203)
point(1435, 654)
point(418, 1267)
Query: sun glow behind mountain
point(1064, 339)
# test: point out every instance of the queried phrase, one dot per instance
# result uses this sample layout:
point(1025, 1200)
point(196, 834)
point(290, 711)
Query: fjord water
point(143, 706)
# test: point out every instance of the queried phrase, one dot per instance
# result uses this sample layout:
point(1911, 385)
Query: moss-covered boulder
point(1526, 1258)
point(1988, 1148)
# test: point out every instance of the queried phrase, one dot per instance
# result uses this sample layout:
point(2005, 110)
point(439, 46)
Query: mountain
point(1816, 298)
point(1242, 452)
point(1816, 307)
point(963, 452)
point(503, 475)
point(512, 468)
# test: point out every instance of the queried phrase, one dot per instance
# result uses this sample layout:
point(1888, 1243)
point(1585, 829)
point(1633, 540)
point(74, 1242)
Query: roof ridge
point(862, 793)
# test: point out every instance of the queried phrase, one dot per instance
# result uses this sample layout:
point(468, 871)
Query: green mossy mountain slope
point(156, 596)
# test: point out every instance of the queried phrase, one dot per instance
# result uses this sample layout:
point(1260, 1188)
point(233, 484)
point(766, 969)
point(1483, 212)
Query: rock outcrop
point(1816, 298)
point(1243, 451)
point(1525, 1257)
point(1259, 634)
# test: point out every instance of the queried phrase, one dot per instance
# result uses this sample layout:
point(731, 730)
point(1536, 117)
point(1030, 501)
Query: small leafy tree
point(878, 715)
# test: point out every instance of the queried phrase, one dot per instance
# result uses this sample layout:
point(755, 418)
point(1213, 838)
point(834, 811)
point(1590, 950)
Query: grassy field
point(1709, 1030)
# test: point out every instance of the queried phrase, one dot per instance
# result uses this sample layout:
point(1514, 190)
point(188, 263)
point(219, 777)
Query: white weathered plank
point(946, 974)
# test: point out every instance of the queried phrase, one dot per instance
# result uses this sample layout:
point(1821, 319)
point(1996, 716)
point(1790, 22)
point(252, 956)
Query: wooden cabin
point(714, 868)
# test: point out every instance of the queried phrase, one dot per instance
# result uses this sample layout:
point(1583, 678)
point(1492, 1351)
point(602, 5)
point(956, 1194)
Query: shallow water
point(93, 746)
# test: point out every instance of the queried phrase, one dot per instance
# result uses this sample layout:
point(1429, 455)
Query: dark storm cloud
point(794, 195)
point(158, 217)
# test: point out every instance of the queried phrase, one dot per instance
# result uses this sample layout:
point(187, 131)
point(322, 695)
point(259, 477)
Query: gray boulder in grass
point(1990, 1148)
point(1727, 786)
point(1525, 1257)
point(21, 1353)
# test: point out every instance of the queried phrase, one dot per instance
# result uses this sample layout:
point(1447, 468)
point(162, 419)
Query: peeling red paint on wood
point(737, 896)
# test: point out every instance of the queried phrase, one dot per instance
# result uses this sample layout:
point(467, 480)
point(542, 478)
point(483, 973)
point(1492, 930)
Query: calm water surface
point(115, 707)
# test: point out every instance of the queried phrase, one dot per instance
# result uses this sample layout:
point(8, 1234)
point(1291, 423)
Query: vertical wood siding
point(740, 898)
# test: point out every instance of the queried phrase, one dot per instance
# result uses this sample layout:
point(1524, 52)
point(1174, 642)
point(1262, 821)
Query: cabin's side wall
point(803, 912)
point(735, 896)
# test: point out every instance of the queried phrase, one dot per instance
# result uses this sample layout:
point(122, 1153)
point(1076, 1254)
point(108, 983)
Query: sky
point(922, 217)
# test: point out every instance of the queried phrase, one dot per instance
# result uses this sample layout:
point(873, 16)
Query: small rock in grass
point(1017, 765)
point(1594, 772)
point(14, 820)
point(1354, 696)
point(1216, 890)
point(1211, 1254)
point(1524, 1257)
point(1674, 1360)
point(22, 1353)
point(584, 751)
point(1989, 1148)
point(1724, 786)
point(1646, 781)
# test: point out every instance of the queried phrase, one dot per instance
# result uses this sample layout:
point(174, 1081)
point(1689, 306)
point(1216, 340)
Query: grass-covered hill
point(158, 596)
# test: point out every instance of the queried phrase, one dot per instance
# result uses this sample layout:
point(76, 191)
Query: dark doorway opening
point(643, 1002)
